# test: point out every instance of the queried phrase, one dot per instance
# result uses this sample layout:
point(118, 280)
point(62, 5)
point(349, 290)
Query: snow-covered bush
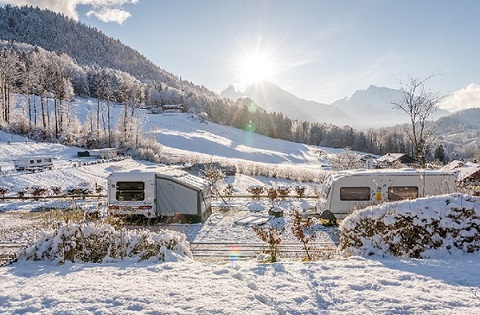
point(419, 228)
point(93, 242)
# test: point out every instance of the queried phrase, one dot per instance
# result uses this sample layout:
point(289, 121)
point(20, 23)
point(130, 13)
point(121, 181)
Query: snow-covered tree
point(419, 103)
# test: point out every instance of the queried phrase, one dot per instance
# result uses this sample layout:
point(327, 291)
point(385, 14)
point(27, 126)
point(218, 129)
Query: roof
point(390, 172)
point(33, 157)
point(194, 182)
point(393, 157)
point(464, 170)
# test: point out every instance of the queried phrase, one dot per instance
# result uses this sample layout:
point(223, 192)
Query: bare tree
point(419, 103)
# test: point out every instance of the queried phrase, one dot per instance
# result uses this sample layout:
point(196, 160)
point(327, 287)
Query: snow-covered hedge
point(419, 228)
point(94, 242)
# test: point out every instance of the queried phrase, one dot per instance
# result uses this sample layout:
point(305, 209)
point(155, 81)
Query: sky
point(318, 50)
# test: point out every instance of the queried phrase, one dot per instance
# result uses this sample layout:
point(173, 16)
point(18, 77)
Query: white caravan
point(183, 197)
point(34, 163)
point(346, 191)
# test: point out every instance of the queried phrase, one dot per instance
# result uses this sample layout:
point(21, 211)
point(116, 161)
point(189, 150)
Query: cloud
point(468, 97)
point(104, 10)
point(110, 15)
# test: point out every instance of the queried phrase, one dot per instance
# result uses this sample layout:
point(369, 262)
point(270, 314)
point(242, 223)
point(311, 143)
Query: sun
point(255, 67)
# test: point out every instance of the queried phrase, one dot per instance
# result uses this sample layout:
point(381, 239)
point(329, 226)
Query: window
point(130, 191)
point(39, 161)
point(354, 193)
point(402, 192)
point(130, 186)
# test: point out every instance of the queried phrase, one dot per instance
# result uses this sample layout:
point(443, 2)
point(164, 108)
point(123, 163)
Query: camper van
point(33, 164)
point(346, 191)
point(156, 195)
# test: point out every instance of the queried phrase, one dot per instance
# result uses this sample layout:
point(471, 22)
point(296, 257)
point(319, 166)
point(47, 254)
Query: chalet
point(176, 108)
point(106, 153)
point(370, 161)
point(467, 172)
point(390, 159)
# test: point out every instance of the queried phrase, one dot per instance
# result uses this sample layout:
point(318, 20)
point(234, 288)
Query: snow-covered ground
point(347, 285)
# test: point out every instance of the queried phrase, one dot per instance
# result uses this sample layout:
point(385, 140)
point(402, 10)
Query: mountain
point(460, 129)
point(273, 99)
point(370, 108)
point(461, 121)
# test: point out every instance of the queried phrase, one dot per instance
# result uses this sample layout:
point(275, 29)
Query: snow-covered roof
point(464, 170)
point(189, 180)
point(390, 157)
point(194, 182)
point(23, 158)
point(389, 172)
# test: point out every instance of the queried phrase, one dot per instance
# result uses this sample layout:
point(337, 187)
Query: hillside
point(460, 130)
point(185, 135)
point(86, 45)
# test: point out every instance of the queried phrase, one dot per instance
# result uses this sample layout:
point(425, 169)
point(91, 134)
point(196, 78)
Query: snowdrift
point(421, 228)
point(100, 242)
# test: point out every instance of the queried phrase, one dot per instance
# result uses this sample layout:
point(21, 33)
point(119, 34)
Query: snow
point(348, 286)
point(446, 284)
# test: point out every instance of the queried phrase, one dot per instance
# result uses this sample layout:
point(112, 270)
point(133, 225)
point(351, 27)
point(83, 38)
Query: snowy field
point(448, 284)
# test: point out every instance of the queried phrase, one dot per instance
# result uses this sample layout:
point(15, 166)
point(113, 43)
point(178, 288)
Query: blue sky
point(317, 50)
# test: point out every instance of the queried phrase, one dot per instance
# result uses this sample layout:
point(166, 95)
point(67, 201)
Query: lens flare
point(234, 253)
point(250, 127)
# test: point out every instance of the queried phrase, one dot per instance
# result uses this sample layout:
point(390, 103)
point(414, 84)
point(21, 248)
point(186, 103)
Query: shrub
point(96, 243)
point(415, 228)
point(4, 191)
point(228, 190)
point(56, 190)
point(78, 191)
point(303, 231)
point(38, 191)
point(300, 190)
point(272, 237)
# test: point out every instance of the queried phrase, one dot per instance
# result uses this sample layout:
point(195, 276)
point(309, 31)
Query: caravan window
point(354, 193)
point(130, 191)
point(130, 185)
point(402, 192)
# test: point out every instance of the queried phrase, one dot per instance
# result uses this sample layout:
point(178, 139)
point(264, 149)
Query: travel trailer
point(181, 197)
point(33, 164)
point(346, 191)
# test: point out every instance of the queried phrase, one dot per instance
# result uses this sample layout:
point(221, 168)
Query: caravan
point(346, 191)
point(154, 195)
point(33, 164)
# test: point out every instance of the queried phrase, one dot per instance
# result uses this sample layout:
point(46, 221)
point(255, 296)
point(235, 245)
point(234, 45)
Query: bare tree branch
point(419, 104)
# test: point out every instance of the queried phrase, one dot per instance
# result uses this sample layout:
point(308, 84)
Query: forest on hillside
point(43, 65)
